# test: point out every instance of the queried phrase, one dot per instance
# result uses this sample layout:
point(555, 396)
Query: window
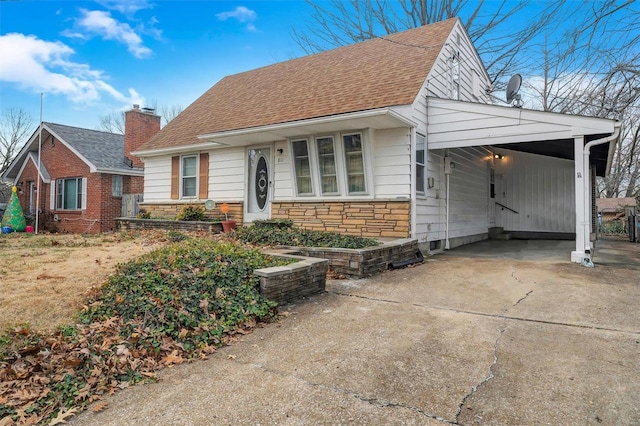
point(70, 194)
point(327, 166)
point(116, 186)
point(354, 162)
point(189, 176)
point(420, 142)
point(302, 167)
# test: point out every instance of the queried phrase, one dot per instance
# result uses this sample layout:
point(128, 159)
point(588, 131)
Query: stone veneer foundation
point(375, 219)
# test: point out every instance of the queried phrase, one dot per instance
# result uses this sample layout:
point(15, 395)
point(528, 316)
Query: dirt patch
point(44, 278)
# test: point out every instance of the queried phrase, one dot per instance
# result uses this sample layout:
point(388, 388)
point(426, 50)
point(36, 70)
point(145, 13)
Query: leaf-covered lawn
point(176, 303)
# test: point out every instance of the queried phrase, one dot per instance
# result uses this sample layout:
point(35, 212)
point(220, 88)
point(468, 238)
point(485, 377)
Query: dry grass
point(44, 278)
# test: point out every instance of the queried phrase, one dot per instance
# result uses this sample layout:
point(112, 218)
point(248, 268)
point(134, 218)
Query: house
point(84, 174)
point(392, 137)
point(617, 209)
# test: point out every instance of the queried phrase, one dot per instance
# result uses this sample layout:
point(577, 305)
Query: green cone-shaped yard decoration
point(13, 216)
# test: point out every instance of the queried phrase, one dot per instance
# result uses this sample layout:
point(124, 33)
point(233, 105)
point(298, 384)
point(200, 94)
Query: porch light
point(498, 156)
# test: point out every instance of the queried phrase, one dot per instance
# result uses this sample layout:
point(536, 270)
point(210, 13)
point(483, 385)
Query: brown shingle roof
point(373, 74)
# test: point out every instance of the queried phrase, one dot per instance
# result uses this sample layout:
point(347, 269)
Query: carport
point(551, 139)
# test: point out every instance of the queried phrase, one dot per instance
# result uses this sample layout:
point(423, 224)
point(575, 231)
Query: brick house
point(84, 173)
point(392, 137)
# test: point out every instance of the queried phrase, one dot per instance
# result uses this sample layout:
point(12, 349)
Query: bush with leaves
point(178, 302)
point(284, 236)
point(192, 213)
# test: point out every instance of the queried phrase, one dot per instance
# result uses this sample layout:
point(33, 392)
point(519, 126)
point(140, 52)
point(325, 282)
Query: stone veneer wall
point(171, 210)
point(284, 284)
point(376, 218)
point(363, 262)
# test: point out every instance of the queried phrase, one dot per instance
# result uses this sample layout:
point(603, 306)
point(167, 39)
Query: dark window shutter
point(203, 191)
point(175, 177)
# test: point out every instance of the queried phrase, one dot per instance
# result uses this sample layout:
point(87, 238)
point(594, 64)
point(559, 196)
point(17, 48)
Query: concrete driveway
point(466, 338)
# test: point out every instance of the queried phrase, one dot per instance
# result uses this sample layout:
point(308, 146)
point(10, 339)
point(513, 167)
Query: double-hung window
point(354, 161)
point(70, 194)
point(302, 166)
point(116, 186)
point(189, 176)
point(420, 165)
point(327, 165)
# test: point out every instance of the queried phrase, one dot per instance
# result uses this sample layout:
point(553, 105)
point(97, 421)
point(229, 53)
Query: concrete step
point(495, 231)
point(505, 236)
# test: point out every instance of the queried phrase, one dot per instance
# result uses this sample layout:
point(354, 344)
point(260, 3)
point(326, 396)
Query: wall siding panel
point(541, 189)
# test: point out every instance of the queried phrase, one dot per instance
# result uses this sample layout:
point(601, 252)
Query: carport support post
point(582, 236)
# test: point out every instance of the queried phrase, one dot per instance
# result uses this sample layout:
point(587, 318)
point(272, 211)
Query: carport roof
point(454, 124)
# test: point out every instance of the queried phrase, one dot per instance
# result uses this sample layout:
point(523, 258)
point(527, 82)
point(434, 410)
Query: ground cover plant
point(176, 303)
point(283, 233)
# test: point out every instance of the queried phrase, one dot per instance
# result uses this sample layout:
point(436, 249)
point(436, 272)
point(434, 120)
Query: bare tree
point(168, 113)
point(496, 36)
point(16, 125)
point(578, 58)
point(114, 121)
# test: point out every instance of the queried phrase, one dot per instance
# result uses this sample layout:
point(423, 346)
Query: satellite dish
point(512, 90)
point(209, 204)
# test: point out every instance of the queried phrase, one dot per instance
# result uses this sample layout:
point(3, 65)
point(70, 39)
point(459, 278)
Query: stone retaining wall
point(284, 284)
point(125, 223)
point(365, 262)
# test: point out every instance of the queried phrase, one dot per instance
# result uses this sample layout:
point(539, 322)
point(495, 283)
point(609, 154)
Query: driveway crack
point(489, 376)
point(522, 298)
point(378, 402)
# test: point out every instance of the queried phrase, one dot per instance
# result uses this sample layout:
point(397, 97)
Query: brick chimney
point(139, 126)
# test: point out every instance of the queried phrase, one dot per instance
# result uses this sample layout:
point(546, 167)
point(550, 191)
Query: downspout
point(413, 232)
point(587, 187)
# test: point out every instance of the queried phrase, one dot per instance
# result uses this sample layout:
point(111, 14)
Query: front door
point(259, 184)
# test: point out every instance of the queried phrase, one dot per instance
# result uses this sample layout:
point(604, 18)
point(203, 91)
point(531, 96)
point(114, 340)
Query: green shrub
point(613, 227)
point(274, 236)
point(191, 213)
point(143, 214)
point(273, 223)
point(194, 291)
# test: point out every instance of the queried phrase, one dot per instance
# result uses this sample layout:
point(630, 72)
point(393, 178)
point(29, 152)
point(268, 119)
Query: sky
point(92, 58)
point(95, 58)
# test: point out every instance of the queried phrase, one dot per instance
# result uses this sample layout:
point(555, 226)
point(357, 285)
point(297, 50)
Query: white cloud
point(97, 22)
point(241, 14)
point(126, 7)
point(44, 66)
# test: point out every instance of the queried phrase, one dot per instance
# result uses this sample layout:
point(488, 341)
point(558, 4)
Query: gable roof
point(101, 151)
point(377, 73)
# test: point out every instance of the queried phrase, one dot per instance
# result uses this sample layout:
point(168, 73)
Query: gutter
point(587, 188)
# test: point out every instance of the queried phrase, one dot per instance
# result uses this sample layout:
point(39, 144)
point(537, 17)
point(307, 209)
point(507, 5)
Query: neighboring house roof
point(614, 204)
point(377, 73)
point(103, 152)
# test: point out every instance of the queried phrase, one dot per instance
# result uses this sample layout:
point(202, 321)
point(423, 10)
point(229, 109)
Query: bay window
point(322, 166)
